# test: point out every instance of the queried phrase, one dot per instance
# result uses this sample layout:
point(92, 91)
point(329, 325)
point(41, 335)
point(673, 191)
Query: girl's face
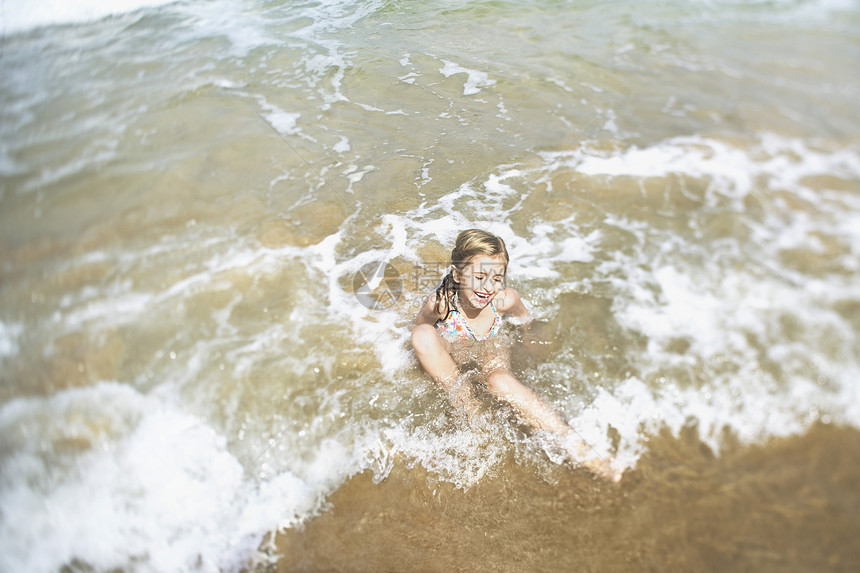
point(480, 280)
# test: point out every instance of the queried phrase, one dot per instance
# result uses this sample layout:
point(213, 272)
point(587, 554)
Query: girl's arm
point(427, 314)
point(510, 302)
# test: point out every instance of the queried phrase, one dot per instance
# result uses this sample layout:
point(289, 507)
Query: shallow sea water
point(218, 219)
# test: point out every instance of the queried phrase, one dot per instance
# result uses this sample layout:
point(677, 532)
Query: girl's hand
point(465, 404)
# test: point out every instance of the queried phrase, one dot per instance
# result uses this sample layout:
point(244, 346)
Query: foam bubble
point(284, 122)
point(9, 335)
point(475, 80)
point(342, 146)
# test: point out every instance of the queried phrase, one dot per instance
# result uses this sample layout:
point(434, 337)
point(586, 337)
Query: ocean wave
point(24, 16)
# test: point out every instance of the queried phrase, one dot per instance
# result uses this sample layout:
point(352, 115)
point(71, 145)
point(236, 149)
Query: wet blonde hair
point(470, 243)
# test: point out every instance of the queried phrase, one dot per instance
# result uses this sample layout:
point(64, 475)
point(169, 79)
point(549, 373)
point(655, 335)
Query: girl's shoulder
point(433, 309)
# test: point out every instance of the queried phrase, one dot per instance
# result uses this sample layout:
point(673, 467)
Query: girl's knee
point(425, 338)
point(499, 381)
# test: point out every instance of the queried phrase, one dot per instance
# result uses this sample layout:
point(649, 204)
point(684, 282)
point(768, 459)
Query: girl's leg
point(433, 354)
point(435, 357)
point(503, 384)
point(529, 406)
point(536, 412)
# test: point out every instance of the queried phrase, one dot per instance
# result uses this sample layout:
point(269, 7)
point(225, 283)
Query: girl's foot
point(603, 468)
point(578, 450)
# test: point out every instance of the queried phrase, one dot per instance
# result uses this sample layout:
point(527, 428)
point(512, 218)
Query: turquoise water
point(190, 189)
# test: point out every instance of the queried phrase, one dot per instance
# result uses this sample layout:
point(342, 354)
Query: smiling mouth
point(482, 297)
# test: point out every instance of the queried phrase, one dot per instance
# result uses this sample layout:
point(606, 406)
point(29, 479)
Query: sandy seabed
point(790, 505)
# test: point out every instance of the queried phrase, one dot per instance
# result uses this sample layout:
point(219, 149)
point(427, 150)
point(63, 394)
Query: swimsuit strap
point(497, 321)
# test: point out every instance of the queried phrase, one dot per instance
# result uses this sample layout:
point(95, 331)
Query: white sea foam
point(116, 479)
point(9, 335)
point(354, 175)
point(475, 79)
point(19, 16)
point(341, 146)
point(726, 317)
point(283, 121)
point(113, 306)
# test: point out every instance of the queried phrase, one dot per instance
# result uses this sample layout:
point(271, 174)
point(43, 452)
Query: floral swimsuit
point(455, 325)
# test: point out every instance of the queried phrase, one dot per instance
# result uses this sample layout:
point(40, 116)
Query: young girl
point(466, 310)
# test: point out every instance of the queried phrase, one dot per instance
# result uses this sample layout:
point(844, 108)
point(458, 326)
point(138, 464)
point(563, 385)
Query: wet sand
point(790, 505)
